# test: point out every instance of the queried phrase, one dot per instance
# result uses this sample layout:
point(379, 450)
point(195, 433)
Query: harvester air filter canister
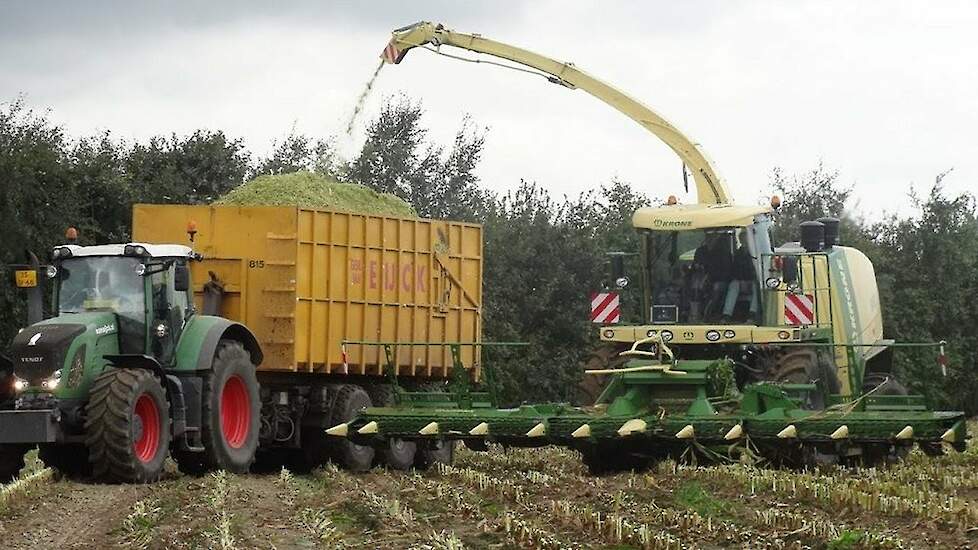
point(812, 236)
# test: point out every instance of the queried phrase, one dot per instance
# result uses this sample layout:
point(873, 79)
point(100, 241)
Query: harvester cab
point(125, 366)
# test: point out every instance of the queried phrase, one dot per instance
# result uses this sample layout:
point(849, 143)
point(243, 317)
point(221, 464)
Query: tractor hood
point(40, 350)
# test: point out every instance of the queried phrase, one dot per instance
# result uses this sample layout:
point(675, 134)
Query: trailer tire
point(230, 413)
point(11, 460)
point(395, 453)
point(349, 401)
point(127, 427)
point(436, 451)
point(69, 459)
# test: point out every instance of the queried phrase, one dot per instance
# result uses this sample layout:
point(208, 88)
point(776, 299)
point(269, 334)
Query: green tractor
point(126, 372)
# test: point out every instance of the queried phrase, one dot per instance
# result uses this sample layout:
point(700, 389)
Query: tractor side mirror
point(181, 278)
point(789, 269)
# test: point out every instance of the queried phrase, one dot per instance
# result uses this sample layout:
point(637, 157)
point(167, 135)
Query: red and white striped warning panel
point(605, 307)
point(391, 53)
point(799, 309)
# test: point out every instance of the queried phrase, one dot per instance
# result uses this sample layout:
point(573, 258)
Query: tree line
point(544, 254)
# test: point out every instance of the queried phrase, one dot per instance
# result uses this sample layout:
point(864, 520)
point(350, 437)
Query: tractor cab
point(143, 287)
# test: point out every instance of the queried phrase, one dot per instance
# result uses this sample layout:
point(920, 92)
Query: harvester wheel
point(887, 383)
point(230, 412)
point(438, 451)
point(127, 428)
point(604, 357)
point(803, 366)
point(69, 459)
point(396, 453)
point(11, 460)
point(349, 401)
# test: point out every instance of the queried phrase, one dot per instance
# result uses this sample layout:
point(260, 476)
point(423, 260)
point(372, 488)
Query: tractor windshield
point(701, 276)
point(102, 283)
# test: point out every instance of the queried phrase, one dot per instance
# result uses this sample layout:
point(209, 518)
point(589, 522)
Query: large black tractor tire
point(591, 385)
point(71, 460)
point(11, 460)
point(127, 427)
point(805, 366)
point(395, 453)
point(350, 400)
point(436, 451)
point(230, 414)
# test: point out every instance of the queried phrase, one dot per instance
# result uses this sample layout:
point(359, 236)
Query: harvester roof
point(678, 217)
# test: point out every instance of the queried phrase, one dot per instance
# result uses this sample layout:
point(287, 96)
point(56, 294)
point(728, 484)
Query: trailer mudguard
point(200, 337)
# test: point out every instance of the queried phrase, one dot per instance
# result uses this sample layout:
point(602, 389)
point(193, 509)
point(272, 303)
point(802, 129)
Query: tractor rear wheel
point(127, 428)
point(11, 460)
point(349, 401)
point(69, 459)
point(230, 412)
point(395, 453)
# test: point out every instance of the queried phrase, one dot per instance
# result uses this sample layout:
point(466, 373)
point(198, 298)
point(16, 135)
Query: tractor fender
point(201, 336)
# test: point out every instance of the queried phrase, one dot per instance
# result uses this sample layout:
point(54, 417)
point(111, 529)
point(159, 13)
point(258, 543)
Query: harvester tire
point(887, 383)
point(803, 366)
point(437, 451)
point(127, 427)
point(69, 459)
point(11, 460)
point(230, 413)
point(395, 453)
point(349, 401)
point(591, 385)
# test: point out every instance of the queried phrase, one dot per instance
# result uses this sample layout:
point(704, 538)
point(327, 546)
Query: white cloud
point(885, 92)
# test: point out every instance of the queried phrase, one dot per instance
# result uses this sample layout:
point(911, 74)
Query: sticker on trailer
point(799, 309)
point(605, 307)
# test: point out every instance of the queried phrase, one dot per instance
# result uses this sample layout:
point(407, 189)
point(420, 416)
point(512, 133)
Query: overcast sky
point(885, 92)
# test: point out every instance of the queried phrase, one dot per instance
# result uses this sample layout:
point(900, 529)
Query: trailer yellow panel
point(307, 280)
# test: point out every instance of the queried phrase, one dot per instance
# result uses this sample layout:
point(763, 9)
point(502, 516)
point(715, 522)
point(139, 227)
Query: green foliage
point(315, 191)
point(693, 496)
point(847, 540)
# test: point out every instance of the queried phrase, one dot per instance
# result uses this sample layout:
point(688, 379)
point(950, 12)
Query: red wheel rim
point(149, 439)
point(235, 412)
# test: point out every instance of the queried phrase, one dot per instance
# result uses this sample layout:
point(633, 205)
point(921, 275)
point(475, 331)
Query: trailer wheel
point(437, 451)
point(395, 452)
point(11, 460)
point(127, 429)
point(349, 401)
point(230, 412)
point(69, 459)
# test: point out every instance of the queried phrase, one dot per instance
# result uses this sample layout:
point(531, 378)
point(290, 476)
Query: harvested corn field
point(518, 499)
point(309, 190)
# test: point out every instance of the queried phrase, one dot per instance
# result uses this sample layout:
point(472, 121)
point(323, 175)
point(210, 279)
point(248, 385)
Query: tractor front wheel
point(127, 429)
point(230, 413)
point(11, 460)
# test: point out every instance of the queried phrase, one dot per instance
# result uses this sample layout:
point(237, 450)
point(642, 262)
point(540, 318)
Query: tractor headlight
point(162, 330)
point(61, 253)
point(713, 335)
point(134, 250)
point(650, 334)
point(609, 333)
point(667, 336)
point(51, 272)
point(53, 382)
point(20, 384)
point(729, 333)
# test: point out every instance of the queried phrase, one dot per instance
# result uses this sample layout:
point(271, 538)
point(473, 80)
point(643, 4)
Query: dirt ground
point(535, 498)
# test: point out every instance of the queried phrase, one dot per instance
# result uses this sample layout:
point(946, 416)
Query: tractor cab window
point(701, 276)
point(106, 283)
point(169, 310)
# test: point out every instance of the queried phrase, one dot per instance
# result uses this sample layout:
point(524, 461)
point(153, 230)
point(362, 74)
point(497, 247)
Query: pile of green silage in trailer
point(309, 190)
